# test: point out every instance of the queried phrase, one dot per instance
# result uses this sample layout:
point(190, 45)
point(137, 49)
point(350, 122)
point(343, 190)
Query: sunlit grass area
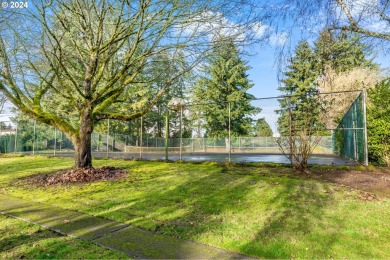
point(257, 210)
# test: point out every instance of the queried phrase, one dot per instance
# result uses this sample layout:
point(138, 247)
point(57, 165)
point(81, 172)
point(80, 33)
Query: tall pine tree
point(301, 107)
point(225, 80)
point(341, 52)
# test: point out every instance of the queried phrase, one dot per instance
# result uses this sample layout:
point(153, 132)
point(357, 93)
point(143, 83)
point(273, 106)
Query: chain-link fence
point(33, 138)
point(349, 136)
point(172, 134)
point(37, 138)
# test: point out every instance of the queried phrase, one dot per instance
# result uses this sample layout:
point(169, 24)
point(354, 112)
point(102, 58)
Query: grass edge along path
point(120, 237)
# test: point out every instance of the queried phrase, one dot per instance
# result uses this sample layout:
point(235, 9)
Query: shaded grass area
point(260, 211)
point(19, 239)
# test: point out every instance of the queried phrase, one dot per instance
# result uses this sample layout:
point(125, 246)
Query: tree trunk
point(82, 144)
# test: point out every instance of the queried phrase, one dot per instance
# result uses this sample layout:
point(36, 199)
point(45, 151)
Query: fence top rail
point(279, 97)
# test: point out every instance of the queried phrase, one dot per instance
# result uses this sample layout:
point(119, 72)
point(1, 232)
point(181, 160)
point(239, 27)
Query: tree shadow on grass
point(199, 208)
point(298, 226)
point(211, 207)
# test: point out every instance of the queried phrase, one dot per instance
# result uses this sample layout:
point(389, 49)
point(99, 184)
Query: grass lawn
point(265, 212)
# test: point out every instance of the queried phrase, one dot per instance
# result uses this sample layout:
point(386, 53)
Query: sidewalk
point(134, 242)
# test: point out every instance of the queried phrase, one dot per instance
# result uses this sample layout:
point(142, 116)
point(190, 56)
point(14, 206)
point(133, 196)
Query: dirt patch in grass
point(77, 175)
point(373, 181)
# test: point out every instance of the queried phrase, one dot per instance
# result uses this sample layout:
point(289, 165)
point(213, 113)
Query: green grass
point(261, 211)
point(19, 239)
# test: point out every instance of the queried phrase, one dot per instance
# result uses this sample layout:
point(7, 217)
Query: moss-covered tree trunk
point(82, 143)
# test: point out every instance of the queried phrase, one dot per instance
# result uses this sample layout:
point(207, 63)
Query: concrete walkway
point(134, 242)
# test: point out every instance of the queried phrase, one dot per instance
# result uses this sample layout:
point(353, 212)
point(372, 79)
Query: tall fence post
point(365, 127)
point(290, 130)
point(166, 134)
point(60, 141)
point(108, 134)
point(55, 141)
point(16, 137)
point(140, 143)
point(354, 125)
point(181, 131)
point(230, 141)
point(35, 124)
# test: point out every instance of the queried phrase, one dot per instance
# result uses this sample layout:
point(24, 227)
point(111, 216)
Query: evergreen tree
point(225, 80)
point(338, 53)
point(261, 128)
point(301, 107)
point(378, 123)
point(162, 68)
point(341, 52)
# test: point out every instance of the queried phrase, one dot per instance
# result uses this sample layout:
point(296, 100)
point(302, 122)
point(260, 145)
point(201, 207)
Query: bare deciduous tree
point(305, 132)
point(71, 64)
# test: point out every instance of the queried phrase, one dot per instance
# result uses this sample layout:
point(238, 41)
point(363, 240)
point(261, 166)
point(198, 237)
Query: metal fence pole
point(290, 130)
point(16, 137)
point(181, 131)
point(61, 141)
point(35, 124)
point(112, 142)
point(354, 123)
point(166, 134)
point(230, 143)
point(108, 133)
point(365, 127)
point(55, 141)
point(140, 150)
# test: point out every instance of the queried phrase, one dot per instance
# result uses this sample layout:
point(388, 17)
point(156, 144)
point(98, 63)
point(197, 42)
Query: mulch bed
point(77, 175)
point(370, 183)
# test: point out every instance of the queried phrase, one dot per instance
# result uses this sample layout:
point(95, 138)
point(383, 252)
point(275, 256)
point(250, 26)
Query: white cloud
point(278, 39)
point(214, 24)
point(379, 26)
point(260, 29)
point(362, 8)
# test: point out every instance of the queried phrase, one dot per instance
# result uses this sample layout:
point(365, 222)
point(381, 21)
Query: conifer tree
point(225, 80)
point(300, 85)
point(341, 52)
point(378, 122)
point(262, 128)
point(299, 120)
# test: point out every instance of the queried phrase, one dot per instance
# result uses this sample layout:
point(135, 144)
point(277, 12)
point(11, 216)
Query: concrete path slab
point(140, 243)
point(62, 221)
point(135, 242)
